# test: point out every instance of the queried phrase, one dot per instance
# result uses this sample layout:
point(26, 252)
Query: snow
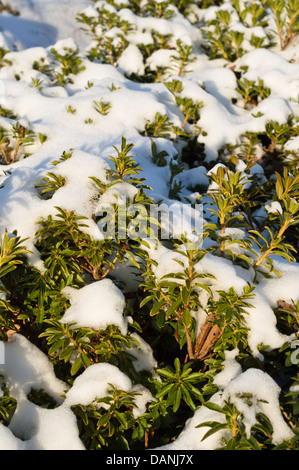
point(277, 73)
point(293, 144)
point(144, 358)
point(20, 369)
point(32, 427)
point(273, 207)
point(96, 306)
point(231, 369)
point(260, 317)
point(35, 428)
point(265, 394)
point(131, 61)
point(93, 383)
point(40, 23)
point(261, 395)
point(67, 116)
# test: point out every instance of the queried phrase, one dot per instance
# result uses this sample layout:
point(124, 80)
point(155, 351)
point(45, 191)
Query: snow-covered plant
point(69, 62)
point(108, 33)
point(221, 40)
point(159, 127)
point(252, 92)
point(286, 189)
point(183, 57)
point(237, 28)
point(102, 107)
point(51, 183)
point(234, 423)
point(124, 168)
point(109, 422)
point(159, 9)
point(286, 16)
point(3, 52)
point(232, 201)
point(149, 244)
point(12, 254)
point(13, 141)
point(62, 62)
point(189, 107)
point(159, 158)
point(81, 347)
point(175, 296)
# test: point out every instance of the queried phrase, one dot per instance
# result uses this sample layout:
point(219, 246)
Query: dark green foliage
point(162, 311)
point(179, 385)
point(87, 346)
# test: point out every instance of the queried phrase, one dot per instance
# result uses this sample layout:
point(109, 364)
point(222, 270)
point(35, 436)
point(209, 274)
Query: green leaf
point(76, 366)
point(173, 308)
point(164, 391)
point(185, 295)
point(177, 366)
point(215, 427)
point(195, 392)
point(255, 444)
point(146, 300)
point(123, 443)
point(187, 398)
point(187, 318)
point(166, 373)
point(160, 319)
point(177, 400)
point(157, 307)
point(214, 407)
point(56, 346)
point(103, 420)
point(122, 419)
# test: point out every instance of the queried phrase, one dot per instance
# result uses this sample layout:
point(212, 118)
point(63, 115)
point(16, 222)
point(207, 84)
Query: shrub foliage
point(164, 310)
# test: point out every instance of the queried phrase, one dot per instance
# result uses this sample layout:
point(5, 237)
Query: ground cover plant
point(149, 294)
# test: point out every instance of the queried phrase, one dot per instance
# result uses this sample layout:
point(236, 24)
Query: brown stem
point(289, 35)
point(181, 68)
point(189, 343)
point(279, 31)
point(4, 153)
point(184, 122)
point(67, 333)
point(272, 246)
point(145, 439)
point(222, 243)
point(16, 151)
